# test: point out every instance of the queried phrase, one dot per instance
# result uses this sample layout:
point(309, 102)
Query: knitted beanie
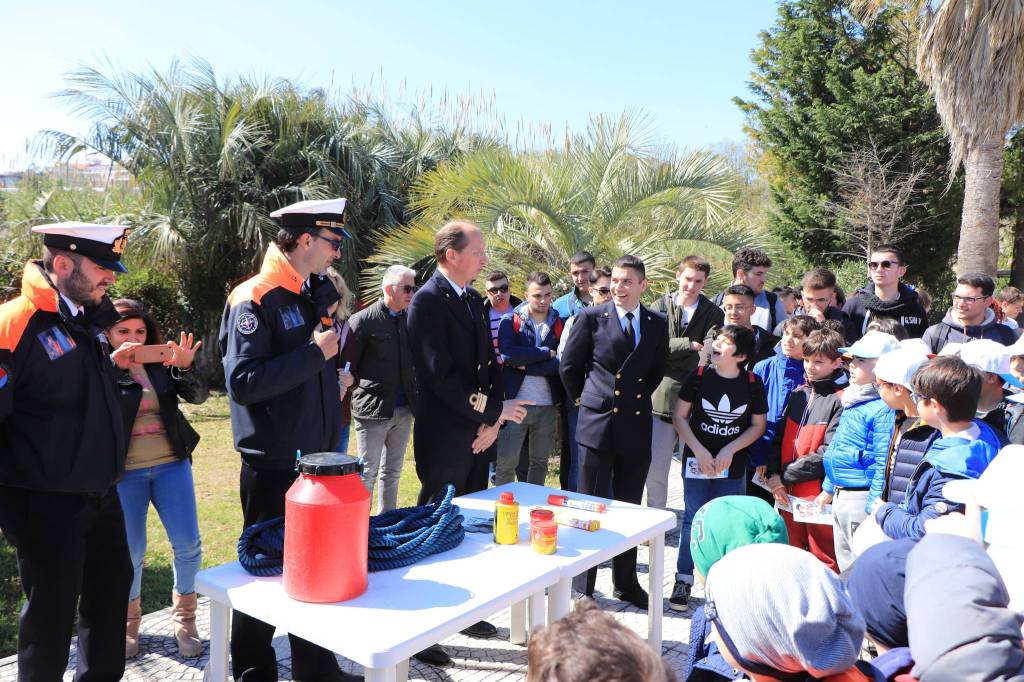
point(778, 606)
point(725, 523)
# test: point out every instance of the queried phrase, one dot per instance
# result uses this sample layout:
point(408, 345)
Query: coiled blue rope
point(398, 538)
point(261, 548)
point(404, 536)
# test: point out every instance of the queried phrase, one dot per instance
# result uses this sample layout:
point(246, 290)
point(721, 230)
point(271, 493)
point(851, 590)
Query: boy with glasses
point(499, 302)
point(690, 315)
point(738, 304)
point(971, 316)
point(885, 296)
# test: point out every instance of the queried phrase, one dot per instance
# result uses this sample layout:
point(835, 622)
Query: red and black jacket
point(811, 417)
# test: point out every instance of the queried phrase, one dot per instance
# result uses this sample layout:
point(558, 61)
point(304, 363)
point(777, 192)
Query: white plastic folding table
point(405, 610)
point(623, 526)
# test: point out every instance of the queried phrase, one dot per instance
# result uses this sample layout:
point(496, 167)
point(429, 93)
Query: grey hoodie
point(951, 331)
point(969, 633)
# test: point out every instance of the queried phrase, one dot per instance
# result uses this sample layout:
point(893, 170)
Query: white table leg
point(656, 577)
point(220, 632)
point(517, 626)
point(559, 599)
point(536, 611)
point(389, 674)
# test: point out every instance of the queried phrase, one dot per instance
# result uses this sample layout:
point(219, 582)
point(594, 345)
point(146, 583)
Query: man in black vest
point(613, 360)
point(460, 408)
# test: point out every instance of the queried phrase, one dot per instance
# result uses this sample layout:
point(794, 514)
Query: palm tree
point(609, 192)
point(212, 159)
point(971, 55)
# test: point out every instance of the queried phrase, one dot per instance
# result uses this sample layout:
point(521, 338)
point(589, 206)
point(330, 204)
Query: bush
point(158, 291)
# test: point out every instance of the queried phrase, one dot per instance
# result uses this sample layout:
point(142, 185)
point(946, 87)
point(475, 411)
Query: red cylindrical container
point(326, 530)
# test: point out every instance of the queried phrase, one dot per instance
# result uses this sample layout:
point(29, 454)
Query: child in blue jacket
point(947, 393)
point(781, 375)
point(859, 446)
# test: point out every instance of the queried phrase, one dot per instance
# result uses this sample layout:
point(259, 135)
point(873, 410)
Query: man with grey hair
point(384, 396)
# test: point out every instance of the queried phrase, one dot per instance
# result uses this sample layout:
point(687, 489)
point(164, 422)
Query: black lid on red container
point(329, 464)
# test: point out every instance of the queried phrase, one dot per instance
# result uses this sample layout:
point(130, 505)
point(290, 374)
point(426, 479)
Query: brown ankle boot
point(131, 638)
point(183, 613)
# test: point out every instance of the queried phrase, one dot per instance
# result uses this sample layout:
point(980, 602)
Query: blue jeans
point(343, 441)
point(572, 415)
point(696, 493)
point(171, 490)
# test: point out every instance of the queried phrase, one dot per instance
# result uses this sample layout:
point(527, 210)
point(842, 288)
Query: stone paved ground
point(474, 660)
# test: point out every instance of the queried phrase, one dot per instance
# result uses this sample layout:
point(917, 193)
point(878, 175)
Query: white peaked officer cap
point(313, 214)
point(102, 244)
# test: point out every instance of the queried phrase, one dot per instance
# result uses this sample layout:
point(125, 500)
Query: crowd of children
point(842, 450)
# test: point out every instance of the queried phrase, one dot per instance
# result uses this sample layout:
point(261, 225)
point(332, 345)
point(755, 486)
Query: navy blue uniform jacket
point(60, 421)
point(284, 395)
point(613, 382)
point(454, 359)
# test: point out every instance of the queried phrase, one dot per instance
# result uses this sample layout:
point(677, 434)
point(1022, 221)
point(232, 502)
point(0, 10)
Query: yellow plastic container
point(506, 520)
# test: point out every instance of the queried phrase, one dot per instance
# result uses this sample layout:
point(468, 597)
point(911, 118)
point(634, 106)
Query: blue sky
point(555, 62)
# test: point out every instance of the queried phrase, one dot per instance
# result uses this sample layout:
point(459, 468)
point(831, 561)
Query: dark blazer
point(180, 433)
point(682, 359)
point(381, 362)
point(612, 382)
point(454, 359)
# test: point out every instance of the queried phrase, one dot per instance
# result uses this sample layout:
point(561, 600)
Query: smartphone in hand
point(152, 354)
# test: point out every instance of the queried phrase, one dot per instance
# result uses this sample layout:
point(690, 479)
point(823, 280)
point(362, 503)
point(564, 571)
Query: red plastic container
point(326, 530)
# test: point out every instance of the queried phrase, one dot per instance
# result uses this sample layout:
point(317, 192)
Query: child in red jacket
point(810, 420)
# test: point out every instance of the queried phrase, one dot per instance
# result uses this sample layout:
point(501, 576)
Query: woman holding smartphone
point(158, 467)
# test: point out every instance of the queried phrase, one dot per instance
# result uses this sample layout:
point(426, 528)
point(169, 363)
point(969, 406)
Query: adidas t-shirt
point(721, 411)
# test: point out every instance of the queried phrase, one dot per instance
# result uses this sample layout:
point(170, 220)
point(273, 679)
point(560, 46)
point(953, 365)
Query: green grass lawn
point(215, 467)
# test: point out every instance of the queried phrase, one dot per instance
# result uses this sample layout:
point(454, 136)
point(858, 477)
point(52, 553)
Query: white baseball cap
point(988, 356)
point(998, 491)
point(1017, 347)
point(898, 366)
point(872, 345)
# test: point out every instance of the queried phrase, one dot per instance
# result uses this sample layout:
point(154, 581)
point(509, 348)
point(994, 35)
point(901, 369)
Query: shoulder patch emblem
point(5, 377)
point(247, 323)
point(56, 342)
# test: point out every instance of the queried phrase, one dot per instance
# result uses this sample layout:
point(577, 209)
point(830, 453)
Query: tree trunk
point(1017, 267)
point(979, 225)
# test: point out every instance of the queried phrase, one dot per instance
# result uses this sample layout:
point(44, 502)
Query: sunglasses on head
point(503, 289)
point(884, 264)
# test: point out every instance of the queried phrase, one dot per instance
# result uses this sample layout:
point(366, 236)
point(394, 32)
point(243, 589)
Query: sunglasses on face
point(406, 288)
point(335, 243)
point(884, 264)
point(503, 289)
point(604, 291)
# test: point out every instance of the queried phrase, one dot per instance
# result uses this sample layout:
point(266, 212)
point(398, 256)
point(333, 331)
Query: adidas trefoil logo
point(723, 415)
